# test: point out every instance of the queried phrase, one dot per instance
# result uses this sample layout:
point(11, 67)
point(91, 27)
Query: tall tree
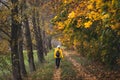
point(37, 31)
point(29, 46)
point(49, 42)
point(14, 41)
point(21, 57)
point(45, 47)
point(28, 40)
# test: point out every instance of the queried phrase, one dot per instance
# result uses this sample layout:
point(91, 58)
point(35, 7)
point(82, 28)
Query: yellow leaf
point(88, 24)
point(71, 15)
point(90, 6)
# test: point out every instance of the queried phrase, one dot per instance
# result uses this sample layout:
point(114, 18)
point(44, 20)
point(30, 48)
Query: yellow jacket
point(61, 54)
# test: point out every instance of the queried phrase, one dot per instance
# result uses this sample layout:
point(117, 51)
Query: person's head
point(58, 46)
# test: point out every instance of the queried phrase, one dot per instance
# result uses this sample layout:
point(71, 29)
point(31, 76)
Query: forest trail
point(81, 72)
point(71, 68)
point(57, 74)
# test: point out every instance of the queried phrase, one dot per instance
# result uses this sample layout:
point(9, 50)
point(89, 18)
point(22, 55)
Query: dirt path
point(81, 72)
point(57, 74)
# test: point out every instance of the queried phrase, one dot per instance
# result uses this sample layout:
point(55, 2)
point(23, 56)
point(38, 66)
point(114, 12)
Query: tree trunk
point(44, 43)
point(43, 34)
point(29, 45)
point(22, 65)
point(28, 38)
point(14, 41)
point(38, 37)
point(49, 43)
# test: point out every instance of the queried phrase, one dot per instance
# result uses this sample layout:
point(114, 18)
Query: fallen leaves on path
point(96, 68)
point(57, 74)
point(85, 75)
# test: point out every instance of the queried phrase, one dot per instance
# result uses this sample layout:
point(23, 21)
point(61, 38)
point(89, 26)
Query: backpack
point(58, 53)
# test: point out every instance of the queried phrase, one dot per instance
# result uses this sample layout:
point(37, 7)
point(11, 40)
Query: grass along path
point(81, 72)
point(45, 70)
point(69, 70)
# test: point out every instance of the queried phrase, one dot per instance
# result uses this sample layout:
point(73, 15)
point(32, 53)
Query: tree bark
point(28, 39)
point(40, 34)
point(29, 46)
point(45, 49)
point(22, 65)
point(49, 43)
point(43, 34)
point(14, 41)
point(38, 37)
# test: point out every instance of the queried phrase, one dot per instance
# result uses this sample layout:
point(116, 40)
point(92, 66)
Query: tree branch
point(4, 4)
point(5, 33)
point(5, 38)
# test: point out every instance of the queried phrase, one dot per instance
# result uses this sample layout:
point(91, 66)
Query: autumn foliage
point(92, 27)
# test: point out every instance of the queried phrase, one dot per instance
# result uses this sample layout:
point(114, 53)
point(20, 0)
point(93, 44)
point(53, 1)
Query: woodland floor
point(82, 74)
point(91, 71)
point(74, 67)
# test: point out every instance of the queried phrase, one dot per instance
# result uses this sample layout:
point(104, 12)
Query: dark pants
point(58, 62)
